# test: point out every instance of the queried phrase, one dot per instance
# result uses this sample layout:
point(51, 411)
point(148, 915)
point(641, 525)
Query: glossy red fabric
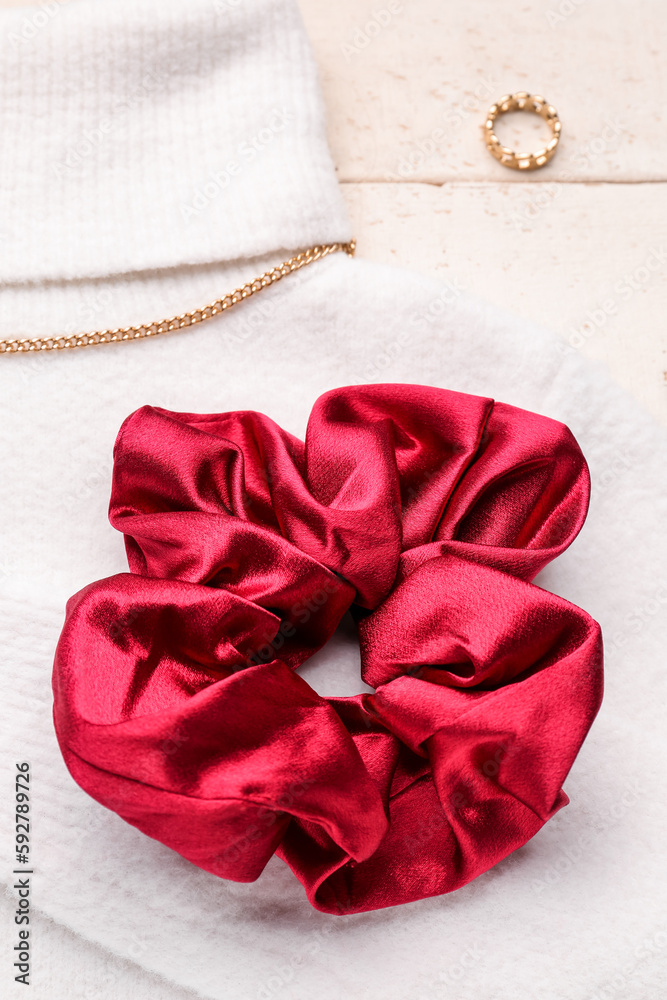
point(425, 512)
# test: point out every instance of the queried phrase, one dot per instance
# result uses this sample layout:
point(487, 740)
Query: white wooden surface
point(580, 246)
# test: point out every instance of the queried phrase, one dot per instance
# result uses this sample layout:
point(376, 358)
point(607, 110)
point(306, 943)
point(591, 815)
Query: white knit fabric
point(140, 136)
point(147, 135)
point(578, 912)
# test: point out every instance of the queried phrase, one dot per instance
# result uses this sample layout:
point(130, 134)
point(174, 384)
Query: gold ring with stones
point(521, 102)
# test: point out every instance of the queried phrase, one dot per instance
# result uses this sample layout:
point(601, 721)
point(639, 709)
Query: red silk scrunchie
point(427, 512)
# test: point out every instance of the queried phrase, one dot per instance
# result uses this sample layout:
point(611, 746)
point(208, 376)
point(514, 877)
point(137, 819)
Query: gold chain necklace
point(295, 263)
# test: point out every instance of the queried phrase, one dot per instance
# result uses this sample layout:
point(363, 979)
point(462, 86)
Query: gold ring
point(521, 102)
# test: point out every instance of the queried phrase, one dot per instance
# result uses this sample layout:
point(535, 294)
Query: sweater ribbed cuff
point(149, 135)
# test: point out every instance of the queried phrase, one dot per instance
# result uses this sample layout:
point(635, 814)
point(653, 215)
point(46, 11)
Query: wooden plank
point(587, 261)
point(407, 84)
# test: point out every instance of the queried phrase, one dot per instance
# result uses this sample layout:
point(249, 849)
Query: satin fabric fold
point(425, 512)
